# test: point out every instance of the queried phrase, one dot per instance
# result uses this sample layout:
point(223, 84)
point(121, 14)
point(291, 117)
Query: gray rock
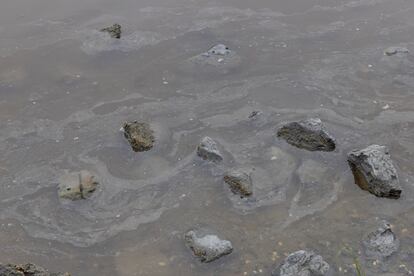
point(239, 182)
point(26, 270)
point(77, 185)
point(207, 246)
point(302, 263)
point(208, 150)
point(396, 50)
point(374, 171)
point(381, 243)
point(218, 50)
point(307, 134)
point(114, 31)
point(139, 135)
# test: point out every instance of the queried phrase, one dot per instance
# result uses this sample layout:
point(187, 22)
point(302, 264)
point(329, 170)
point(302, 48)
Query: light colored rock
point(393, 50)
point(208, 150)
point(77, 185)
point(382, 242)
point(302, 263)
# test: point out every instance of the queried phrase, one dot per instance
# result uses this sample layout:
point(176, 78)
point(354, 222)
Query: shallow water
point(66, 89)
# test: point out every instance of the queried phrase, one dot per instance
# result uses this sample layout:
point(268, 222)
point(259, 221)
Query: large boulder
point(302, 263)
point(139, 135)
point(208, 150)
point(374, 171)
point(26, 270)
point(114, 30)
point(77, 185)
point(308, 134)
point(207, 246)
point(381, 243)
point(240, 182)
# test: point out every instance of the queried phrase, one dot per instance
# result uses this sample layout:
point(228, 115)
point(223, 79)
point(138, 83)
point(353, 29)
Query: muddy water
point(66, 89)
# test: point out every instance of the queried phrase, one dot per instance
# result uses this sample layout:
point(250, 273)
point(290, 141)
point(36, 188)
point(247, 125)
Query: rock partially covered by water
point(207, 246)
point(374, 171)
point(239, 182)
point(381, 243)
point(208, 150)
point(218, 50)
point(308, 134)
point(77, 185)
point(26, 270)
point(114, 30)
point(396, 50)
point(302, 263)
point(139, 135)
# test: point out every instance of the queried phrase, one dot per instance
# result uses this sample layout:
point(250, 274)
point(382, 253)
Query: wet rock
point(217, 59)
point(381, 243)
point(374, 171)
point(207, 246)
point(239, 182)
point(218, 50)
point(302, 263)
point(307, 134)
point(77, 185)
point(396, 50)
point(208, 150)
point(139, 135)
point(26, 270)
point(114, 31)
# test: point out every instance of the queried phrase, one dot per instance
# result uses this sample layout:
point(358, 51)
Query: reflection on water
point(66, 89)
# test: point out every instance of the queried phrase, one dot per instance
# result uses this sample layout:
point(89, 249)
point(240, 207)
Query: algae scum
point(207, 138)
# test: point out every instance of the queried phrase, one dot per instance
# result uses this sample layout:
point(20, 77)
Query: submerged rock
point(114, 31)
point(302, 263)
point(139, 135)
point(26, 270)
point(374, 171)
point(382, 242)
point(396, 50)
point(77, 185)
point(218, 50)
point(208, 150)
point(207, 246)
point(307, 134)
point(239, 182)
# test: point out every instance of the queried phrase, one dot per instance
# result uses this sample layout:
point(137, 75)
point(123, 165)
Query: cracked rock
point(77, 185)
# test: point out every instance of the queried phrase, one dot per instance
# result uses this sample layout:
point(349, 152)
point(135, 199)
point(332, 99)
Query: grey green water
point(66, 89)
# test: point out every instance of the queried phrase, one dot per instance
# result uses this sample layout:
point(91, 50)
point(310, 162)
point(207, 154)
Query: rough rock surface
point(307, 134)
point(382, 242)
point(26, 270)
point(114, 31)
point(77, 185)
point(239, 182)
point(218, 50)
point(139, 135)
point(208, 150)
point(302, 263)
point(396, 50)
point(207, 246)
point(374, 171)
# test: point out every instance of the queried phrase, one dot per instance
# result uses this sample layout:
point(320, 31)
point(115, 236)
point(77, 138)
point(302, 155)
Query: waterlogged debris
point(77, 185)
point(239, 182)
point(396, 50)
point(207, 246)
point(374, 171)
point(381, 243)
point(302, 263)
point(114, 31)
point(26, 270)
point(139, 135)
point(308, 134)
point(208, 150)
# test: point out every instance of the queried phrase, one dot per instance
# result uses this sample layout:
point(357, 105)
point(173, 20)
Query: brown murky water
point(66, 89)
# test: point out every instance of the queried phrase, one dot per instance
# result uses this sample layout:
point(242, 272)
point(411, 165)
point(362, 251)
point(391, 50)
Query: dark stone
point(308, 134)
point(77, 185)
point(374, 171)
point(381, 243)
point(139, 135)
point(240, 182)
point(206, 246)
point(114, 31)
point(208, 150)
point(26, 270)
point(302, 263)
